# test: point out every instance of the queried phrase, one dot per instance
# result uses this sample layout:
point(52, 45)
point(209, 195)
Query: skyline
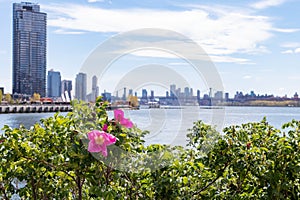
point(254, 46)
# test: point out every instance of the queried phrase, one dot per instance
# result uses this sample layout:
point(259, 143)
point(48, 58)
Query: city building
point(106, 96)
point(124, 94)
point(130, 92)
point(53, 84)
point(173, 90)
point(152, 95)
point(95, 88)
point(66, 89)
point(91, 97)
point(80, 86)
point(144, 98)
point(187, 92)
point(296, 96)
point(191, 92)
point(29, 49)
point(218, 95)
point(144, 94)
point(226, 96)
point(198, 94)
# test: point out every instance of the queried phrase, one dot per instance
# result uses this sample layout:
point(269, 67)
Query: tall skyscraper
point(144, 94)
point(173, 90)
point(53, 84)
point(186, 91)
point(95, 88)
point(80, 86)
point(66, 88)
point(29, 49)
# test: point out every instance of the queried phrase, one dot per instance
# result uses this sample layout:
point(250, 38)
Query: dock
point(34, 108)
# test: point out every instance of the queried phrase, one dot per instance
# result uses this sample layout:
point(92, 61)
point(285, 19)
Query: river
point(168, 126)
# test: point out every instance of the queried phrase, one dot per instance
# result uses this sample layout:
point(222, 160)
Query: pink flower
point(104, 128)
point(99, 140)
point(119, 117)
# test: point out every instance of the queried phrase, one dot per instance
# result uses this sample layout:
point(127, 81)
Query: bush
point(250, 161)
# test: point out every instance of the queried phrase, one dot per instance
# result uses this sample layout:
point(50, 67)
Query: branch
point(52, 166)
point(3, 189)
point(213, 181)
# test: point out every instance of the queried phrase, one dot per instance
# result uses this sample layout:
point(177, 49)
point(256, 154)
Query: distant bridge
point(34, 108)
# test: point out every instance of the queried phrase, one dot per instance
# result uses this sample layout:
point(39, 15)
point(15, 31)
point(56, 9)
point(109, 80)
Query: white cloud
point(291, 45)
point(297, 50)
point(291, 51)
point(288, 52)
point(213, 58)
point(247, 77)
point(65, 32)
point(154, 54)
point(267, 3)
point(290, 30)
point(294, 47)
point(228, 59)
point(93, 1)
point(226, 33)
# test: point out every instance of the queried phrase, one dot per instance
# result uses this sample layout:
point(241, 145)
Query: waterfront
point(168, 126)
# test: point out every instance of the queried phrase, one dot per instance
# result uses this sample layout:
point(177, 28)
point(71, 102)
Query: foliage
point(35, 97)
point(8, 98)
point(248, 161)
point(1, 96)
point(133, 101)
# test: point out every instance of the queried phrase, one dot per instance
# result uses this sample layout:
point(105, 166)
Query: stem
point(79, 186)
point(4, 193)
point(213, 181)
point(33, 189)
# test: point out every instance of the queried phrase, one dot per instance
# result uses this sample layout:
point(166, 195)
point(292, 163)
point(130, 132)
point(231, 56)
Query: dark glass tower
point(29, 49)
point(53, 84)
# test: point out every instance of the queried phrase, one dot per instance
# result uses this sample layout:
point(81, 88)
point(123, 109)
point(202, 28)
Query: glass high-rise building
point(53, 84)
point(95, 88)
point(66, 88)
point(81, 86)
point(29, 49)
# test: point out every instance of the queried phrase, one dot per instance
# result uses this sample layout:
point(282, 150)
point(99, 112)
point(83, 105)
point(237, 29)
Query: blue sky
point(255, 45)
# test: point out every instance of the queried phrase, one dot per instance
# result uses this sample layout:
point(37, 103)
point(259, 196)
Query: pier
point(34, 108)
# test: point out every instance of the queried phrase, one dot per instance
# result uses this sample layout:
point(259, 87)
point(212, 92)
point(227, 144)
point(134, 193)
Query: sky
point(254, 45)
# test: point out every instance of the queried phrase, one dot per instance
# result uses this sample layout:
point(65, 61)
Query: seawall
point(34, 108)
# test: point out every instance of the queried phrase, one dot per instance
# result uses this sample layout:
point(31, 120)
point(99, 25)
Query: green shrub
point(248, 161)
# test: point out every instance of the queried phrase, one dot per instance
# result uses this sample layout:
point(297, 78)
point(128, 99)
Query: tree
point(8, 98)
point(1, 96)
point(133, 101)
point(35, 97)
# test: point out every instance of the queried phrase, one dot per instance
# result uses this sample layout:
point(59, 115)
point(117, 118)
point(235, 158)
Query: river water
point(169, 126)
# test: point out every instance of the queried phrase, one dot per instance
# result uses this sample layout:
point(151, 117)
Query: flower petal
point(93, 147)
point(104, 128)
point(119, 117)
point(93, 134)
point(104, 150)
point(127, 123)
point(109, 139)
point(118, 114)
